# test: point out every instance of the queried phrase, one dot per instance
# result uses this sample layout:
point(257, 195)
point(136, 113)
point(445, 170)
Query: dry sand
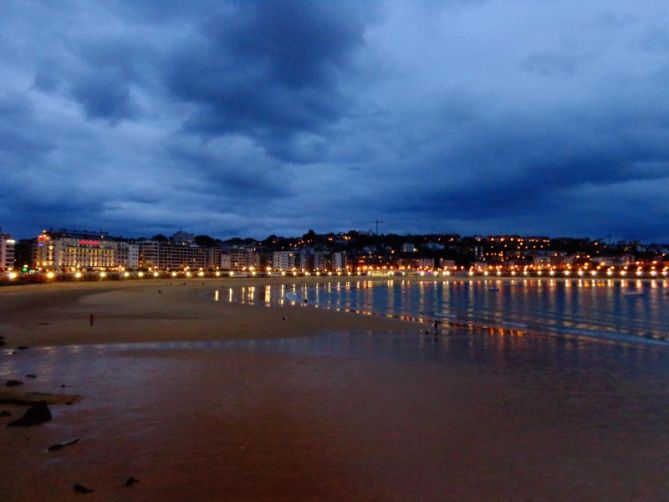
point(356, 413)
point(135, 311)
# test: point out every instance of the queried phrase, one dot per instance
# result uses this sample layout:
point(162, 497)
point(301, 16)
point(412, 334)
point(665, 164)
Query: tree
point(205, 241)
point(310, 236)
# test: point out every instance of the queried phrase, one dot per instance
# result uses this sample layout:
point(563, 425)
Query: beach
point(160, 310)
point(205, 399)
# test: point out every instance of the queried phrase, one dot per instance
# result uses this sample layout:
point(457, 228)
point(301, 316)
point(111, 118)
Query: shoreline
point(129, 311)
point(58, 314)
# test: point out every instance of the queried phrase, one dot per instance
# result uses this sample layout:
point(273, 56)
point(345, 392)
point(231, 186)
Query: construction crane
point(376, 224)
point(377, 221)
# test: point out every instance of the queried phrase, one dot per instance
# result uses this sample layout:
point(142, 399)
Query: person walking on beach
point(435, 333)
point(91, 319)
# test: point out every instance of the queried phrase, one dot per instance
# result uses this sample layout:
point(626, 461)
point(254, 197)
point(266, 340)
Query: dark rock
point(69, 403)
point(5, 413)
point(60, 446)
point(34, 415)
point(2, 343)
point(30, 398)
point(130, 481)
point(23, 347)
point(62, 385)
point(30, 375)
point(79, 488)
point(13, 383)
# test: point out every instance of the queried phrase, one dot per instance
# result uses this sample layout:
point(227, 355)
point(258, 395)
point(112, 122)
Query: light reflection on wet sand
point(348, 416)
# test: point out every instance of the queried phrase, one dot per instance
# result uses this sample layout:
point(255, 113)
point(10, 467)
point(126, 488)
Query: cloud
point(270, 117)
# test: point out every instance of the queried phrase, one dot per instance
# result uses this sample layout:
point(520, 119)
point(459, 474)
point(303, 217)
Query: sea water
point(623, 310)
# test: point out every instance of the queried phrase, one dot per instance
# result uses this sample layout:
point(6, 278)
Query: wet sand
point(367, 410)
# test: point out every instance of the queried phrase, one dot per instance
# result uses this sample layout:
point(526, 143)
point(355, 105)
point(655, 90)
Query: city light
point(81, 253)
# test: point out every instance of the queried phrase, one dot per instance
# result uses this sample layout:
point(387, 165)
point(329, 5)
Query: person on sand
point(91, 319)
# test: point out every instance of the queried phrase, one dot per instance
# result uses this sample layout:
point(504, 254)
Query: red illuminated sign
point(85, 242)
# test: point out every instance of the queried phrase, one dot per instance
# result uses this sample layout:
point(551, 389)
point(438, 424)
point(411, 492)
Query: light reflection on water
point(533, 362)
point(501, 349)
point(614, 309)
point(514, 399)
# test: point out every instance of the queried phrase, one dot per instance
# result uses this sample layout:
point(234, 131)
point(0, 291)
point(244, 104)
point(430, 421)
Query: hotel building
point(63, 250)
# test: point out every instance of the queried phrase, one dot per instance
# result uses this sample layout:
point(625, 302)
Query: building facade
point(339, 261)
point(63, 250)
point(7, 245)
point(166, 255)
point(240, 258)
point(283, 261)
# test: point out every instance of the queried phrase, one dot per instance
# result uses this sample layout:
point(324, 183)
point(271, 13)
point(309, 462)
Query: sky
point(251, 118)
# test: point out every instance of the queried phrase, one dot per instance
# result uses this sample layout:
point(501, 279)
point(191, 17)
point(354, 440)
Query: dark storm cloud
point(259, 117)
point(20, 140)
point(269, 70)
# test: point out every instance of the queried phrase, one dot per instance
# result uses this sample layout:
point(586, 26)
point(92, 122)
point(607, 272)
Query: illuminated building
point(7, 245)
point(425, 263)
point(339, 261)
point(447, 264)
point(240, 258)
point(310, 260)
point(283, 260)
point(167, 255)
point(65, 249)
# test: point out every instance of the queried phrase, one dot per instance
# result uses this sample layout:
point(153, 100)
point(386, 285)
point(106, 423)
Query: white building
point(408, 247)
point(283, 260)
point(83, 250)
point(6, 252)
point(339, 261)
point(240, 258)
